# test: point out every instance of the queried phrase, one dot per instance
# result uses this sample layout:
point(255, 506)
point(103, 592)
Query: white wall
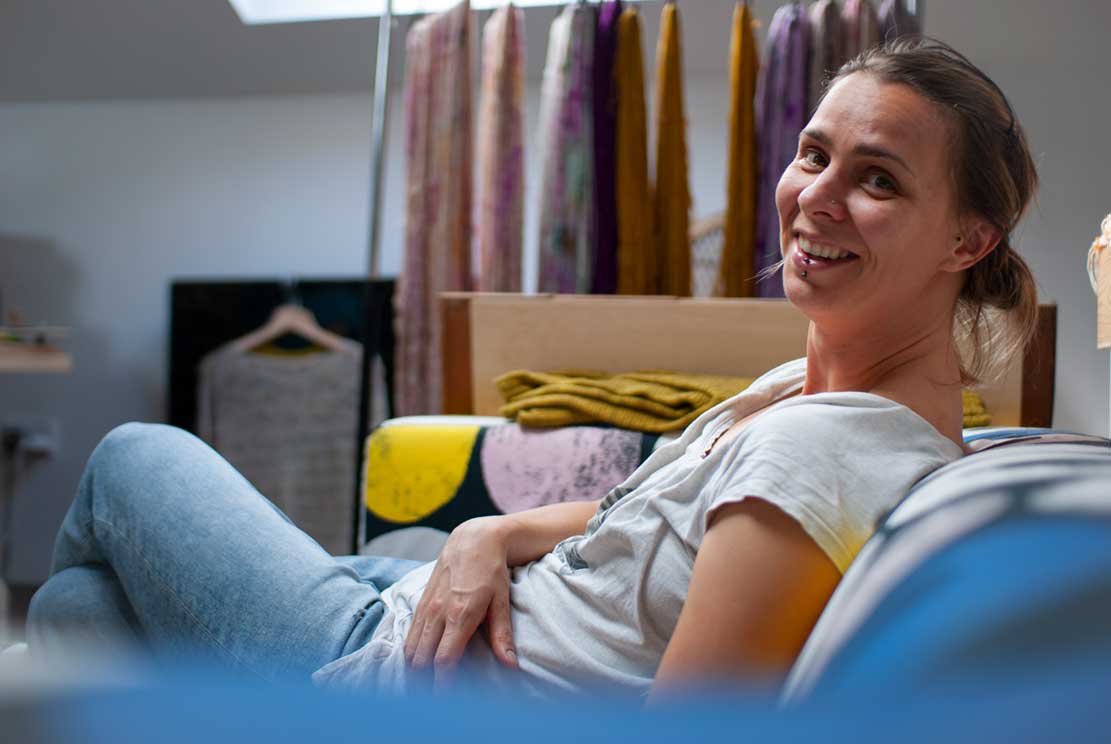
point(1051, 61)
point(102, 204)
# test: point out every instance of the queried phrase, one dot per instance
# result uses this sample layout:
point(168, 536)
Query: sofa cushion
point(990, 543)
point(438, 471)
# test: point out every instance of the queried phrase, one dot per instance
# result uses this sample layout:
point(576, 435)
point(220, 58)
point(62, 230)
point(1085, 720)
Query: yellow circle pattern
point(414, 469)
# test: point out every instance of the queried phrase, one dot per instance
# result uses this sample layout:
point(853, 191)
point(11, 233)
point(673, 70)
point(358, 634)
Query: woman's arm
point(533, 533)
point(758, 586)
point(470, 583)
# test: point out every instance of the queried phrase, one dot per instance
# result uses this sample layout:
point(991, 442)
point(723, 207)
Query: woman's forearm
point(532, 533)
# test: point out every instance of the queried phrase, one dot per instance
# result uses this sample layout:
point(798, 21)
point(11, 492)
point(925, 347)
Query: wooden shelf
point(15, 358)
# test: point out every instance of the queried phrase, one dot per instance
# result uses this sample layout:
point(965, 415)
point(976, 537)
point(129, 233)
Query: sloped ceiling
point(103, 49)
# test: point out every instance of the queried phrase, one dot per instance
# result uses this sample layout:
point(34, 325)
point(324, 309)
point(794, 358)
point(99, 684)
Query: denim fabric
point(168, 546)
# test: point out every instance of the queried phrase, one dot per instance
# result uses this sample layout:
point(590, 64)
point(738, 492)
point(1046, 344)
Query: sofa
point(979, 611)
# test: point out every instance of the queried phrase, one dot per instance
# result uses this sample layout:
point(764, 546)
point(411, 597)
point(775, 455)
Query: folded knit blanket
point(652, 401)
point(974, 412)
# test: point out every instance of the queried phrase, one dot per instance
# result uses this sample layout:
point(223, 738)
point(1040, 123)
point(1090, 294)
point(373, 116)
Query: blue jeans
point(169, 549)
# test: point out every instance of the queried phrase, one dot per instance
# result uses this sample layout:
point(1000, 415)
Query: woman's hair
point(995, 178)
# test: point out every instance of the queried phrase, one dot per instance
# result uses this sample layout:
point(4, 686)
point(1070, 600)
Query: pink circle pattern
point(526, 468)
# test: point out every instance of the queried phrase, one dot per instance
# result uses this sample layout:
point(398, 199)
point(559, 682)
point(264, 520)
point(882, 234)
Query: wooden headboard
point(488, 334)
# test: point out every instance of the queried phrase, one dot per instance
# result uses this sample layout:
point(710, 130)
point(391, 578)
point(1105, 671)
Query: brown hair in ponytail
point(995, 178)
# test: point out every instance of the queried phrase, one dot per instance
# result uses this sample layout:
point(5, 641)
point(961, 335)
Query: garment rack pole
point(374, 237)
point(378, 136)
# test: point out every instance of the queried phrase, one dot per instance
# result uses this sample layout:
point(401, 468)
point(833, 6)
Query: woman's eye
point(881, 181)
point(813, 159)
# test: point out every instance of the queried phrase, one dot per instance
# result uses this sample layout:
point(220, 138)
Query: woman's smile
point(814, 248)
point(812, 254)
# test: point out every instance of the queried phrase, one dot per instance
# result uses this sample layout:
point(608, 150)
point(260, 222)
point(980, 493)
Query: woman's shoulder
point(837, 422)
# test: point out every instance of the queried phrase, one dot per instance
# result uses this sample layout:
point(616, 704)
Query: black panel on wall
point(205, 315)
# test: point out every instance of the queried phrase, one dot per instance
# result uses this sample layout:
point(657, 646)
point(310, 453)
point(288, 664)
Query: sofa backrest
point(956, 569)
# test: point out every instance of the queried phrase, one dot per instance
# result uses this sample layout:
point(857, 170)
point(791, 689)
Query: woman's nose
point(824, 197)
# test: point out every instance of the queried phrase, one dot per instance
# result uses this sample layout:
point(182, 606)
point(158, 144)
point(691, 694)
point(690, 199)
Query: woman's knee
point(132, 451)
point(136, 443)
point(79, 596)
point(44, 607)
point(120, 477)
point(81, 609)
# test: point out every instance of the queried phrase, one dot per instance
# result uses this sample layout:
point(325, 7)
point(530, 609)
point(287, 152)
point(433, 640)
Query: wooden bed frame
point(488, 334)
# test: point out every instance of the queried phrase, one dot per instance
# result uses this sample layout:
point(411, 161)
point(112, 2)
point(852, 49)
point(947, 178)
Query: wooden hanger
point(291, 318)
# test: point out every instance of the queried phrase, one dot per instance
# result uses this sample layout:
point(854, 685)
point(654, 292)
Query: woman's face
point(867, 209)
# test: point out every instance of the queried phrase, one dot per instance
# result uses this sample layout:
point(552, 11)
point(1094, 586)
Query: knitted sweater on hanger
point(287, 422)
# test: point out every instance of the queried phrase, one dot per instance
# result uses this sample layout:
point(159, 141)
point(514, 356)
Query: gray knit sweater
point(288, 423)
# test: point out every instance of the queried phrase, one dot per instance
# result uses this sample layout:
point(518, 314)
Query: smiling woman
point(868, 195)
point(715, 557)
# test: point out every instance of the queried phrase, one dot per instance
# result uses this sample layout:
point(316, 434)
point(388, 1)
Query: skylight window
point(255, 12)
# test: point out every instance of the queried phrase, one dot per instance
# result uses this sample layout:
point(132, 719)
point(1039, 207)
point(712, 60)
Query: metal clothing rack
point(380, 115)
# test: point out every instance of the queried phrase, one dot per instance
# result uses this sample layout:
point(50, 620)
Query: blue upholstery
point(1002, 558)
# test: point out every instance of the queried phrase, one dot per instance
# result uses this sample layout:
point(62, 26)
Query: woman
point(715, 558)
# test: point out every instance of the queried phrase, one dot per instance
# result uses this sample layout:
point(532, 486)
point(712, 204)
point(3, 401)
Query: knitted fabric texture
point(672, 199)
point(650, 401)
point(438, 193)
point(738, 258)
point(975, 414)
point(501, 204)
point(567, 154)
point(636, 248)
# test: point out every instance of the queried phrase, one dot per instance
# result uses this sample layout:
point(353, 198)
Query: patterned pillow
point(1026, 478)
point(438, 471)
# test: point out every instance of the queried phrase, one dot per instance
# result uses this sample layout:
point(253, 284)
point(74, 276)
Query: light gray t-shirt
point(599, 609)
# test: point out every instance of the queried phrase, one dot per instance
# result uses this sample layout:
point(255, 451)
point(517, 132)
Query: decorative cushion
point(955, 543)
point(439, 471)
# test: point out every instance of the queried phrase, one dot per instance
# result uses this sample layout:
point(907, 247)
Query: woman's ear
point(976, 239)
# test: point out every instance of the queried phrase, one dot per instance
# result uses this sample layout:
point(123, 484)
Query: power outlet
point(33, 436)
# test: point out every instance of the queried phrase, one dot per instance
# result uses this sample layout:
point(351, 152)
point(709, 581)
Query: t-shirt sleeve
point(835, 469)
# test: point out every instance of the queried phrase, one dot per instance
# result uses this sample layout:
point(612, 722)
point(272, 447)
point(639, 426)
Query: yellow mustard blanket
point(653, 402)
point(974, 412)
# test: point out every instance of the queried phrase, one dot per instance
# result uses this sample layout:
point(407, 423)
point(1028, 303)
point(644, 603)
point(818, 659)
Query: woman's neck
point(919, 368)
point(843, 359)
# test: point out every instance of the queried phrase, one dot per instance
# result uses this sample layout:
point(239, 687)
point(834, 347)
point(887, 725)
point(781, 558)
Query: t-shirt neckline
point(792, 391)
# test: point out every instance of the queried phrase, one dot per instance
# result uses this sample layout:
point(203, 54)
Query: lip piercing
point(803, 274)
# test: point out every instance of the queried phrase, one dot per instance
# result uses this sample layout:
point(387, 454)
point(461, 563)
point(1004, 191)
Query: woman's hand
point(469, 586)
